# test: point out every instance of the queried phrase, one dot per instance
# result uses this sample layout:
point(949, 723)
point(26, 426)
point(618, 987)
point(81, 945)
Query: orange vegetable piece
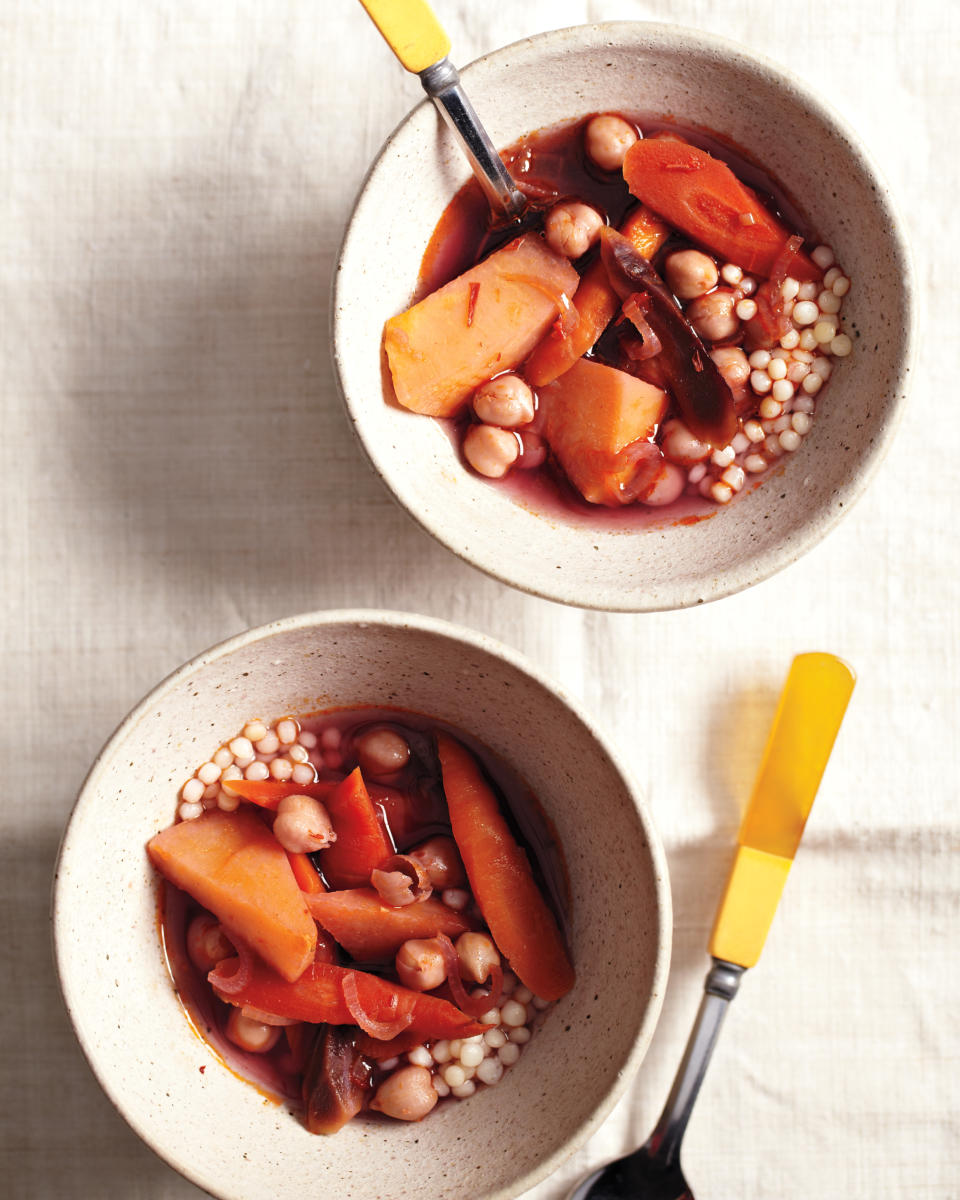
point(370, 931)
point(305, 873)
point(362, 842)
point(233, 865)
point(482, 323)
point(267, 793)
point(596, 303)
point(518, 917)
point(701, 196)
point(592, 415)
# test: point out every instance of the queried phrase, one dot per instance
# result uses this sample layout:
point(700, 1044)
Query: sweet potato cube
point(486, 321)
point(233, 865)
point(594, 415)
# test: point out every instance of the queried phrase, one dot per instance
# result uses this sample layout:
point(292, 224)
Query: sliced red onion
point(231, 975)
point(633, 310)
point(382, 1030)
point(265, 1018)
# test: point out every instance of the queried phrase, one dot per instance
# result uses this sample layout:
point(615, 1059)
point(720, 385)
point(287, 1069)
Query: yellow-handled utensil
point(416, 37)
point(812, 704)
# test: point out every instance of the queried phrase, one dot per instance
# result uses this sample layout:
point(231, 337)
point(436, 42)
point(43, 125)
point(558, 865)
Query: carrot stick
point(701, 196)
point(305, 873)
point(267, 793)
point(596, 303)
point(519, 919)
point(369, 931)
point(362, 842)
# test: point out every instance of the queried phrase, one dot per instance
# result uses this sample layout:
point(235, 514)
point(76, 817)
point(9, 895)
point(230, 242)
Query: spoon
point(416, 37)
point(805, 726)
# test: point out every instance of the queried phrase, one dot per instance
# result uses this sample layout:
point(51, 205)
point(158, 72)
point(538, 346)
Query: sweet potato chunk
point(234, 866)
point(593, 416)
point(482, 323)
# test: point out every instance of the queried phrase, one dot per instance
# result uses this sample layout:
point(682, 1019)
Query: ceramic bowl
point(700, 80)
point(217, 1129)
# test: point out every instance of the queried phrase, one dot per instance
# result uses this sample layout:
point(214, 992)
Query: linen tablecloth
point(175, 466)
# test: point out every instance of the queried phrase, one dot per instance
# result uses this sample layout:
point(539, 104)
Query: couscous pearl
point(790, 440)
point(455, 1047)
point(420, 1056)
point(189, 810)
point(307, 739)
point(241, 747)
point(223, 758)
point(740, 442)
point(761, 382)
point(454, 1075)
point(697, 473)
point(841, 346)
point(490, 1017)
point(510, 982)
point(748, 286)
point(807, 340)
point(490, 1071)
point(227, 801)
point(523, 995)
point(825, 331)
point(782, 391)
point(789, 288)
point(211, 791)
point(192, 791)
point(540, 1004)
point(770, 408)
point(777, 369)
point(755, 463)
point(722, 493)
point(257, 770)
point(822, 256)
point(389, 1064)
point(208, 773)
point(231, 772)
point(464, 1090)
point(808, 291)
point(471, 1056)
point(304, 773)
point(297, 754)
point(832, 276)
point(520, 1036)
point(772, 446)
point(287, 731)
point(759, 359)
point(823, 367)
point(840, 286)
point(705, 485)
point(509, 1054)
point(733, 477)
point(442, 1089)
point(281, 769)
point(753, 431)
point(720, 458)
point(513, 1014)
point(803, 356)
point(790, 339)
point(331, 738)
point(245, 762)
point(827, 302)
point(804, 404)
point(798, 371)
point(801, 423)
point(812, 384)
point(441, 1051)
point(268, 744)
point(254, 731)
point(780, 353)
point(495, 1038)
point(731, 273)
point(780, 424)
point(746, 309)
point(806, 312)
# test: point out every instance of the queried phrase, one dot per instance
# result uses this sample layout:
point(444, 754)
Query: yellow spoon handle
point(812, 704)
point(411, 31)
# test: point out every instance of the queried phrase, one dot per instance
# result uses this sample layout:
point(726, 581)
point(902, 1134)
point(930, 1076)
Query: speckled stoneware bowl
point(218, 1130)
point(701, 80)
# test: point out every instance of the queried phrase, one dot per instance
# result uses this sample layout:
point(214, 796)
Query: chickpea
point(381, 752)
point(420, 964)
point(571, 228)
point(713, 316)
point(207, 944)
point(691, 273)
point(490, 451)
point(252, 1036)
point(477, 955)
point(506, 401)
point(733, 366)
point(607, 139)
point(666, 487)
point(441, 860)
point(407, 1094)
point(303, 825)
point(680, 445)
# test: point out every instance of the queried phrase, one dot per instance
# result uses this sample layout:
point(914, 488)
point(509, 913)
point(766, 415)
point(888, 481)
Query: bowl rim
point(393, 619)
point(763, 564)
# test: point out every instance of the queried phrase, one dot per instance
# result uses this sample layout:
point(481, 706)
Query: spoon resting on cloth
point(417, 39)
point(812, 704)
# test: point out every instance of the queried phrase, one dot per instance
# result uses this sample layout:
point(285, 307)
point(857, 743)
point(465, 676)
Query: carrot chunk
point(518, 917)
point(369, 931)
point(701, 196)
point(362, 842)
point(267, 793)
point(484, 322)
point(234, 866)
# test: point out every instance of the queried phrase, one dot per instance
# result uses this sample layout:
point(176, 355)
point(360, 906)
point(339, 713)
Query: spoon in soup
point(811, 708)
point(418, 40)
